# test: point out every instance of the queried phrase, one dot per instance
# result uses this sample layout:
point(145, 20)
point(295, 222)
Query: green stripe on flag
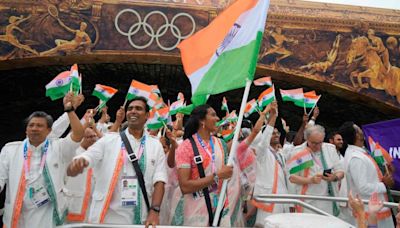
point(301, 167)
point(229, 71)
point(100, 95)
point(266, 102)
point(57, 92)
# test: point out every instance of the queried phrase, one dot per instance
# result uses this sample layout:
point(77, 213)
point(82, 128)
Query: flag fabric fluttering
point(210, 57)
point(231, 118)
point(380, 154)
point(104, 93)
point(139, 89)
point(176, 107)
point(263, 81)
point(63, 83)
point(266, 97)
point(300, 161)
point(251, 107)
point(224, 106)
point(294, 95)
point(228, 134)
point(310, 100)
point(158, 118)
point(75, 79)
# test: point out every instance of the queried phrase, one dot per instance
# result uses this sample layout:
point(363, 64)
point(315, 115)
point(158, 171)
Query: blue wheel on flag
point(59, 82)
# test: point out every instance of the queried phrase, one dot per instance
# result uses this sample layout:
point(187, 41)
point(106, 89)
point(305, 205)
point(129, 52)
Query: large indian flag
point(295, 95)
point(224, 54)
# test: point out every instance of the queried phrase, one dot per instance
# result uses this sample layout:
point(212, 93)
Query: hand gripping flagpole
point(232, 153)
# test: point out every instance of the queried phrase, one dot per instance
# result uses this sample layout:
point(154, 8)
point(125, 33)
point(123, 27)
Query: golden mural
point(352, 48)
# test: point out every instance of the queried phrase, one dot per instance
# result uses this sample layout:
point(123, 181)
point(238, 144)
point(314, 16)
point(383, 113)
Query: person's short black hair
point(332, 134)
point(143, 99)
point(40, 114)
point(290, 136)
point(247, 124)
point(348, 132)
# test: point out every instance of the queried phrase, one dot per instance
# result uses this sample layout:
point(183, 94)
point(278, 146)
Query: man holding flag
point(37, 170)
point(315, 168)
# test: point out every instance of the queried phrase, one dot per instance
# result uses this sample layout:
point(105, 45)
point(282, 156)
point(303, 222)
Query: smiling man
point(113, 166)
point(34, 170)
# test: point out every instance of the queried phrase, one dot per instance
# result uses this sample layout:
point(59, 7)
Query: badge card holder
point(129, 187)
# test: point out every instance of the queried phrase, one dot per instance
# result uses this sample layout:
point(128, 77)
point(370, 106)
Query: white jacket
point(60, 153)
point(103, 157)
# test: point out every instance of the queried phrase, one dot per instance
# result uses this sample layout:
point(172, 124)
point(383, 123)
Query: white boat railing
point(269, 197)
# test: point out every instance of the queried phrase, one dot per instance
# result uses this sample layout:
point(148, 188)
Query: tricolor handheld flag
point(380, 154)
point(104, 93)
point(251, 107)
point(63, 83)
point(310, 100)
point(300, 161)
point(294, 95)
point(75, 79)
point(139, 89)
point(221, 56)
point(224, 106)
point(266, 97)
point(263, 81)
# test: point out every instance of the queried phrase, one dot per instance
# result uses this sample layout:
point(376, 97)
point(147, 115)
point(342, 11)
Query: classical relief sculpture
point(278, 47)
point(377, 45)
point(371, 66)
point(330, 59)
point(81, 42)
point(9, 36)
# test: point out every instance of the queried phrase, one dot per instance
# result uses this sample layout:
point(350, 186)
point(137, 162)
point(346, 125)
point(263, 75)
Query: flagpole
point(126, 100)
point(80, 83)
point(314, 105)
point(232, 153)
point(304, 105)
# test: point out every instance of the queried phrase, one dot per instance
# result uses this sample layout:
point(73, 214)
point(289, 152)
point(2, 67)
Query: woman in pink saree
point(192, 208)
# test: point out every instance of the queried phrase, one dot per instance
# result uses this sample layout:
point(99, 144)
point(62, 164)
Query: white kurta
point(102, 156)
point(265, 174)
point(320, 189)
point(76, 190)
point(362, 178)
point(59, 154)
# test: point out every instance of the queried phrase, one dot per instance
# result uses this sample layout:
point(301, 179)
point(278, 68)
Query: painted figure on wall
point(278, 47)
point(377, 45)
point(9, 36)
point(368, 58)
point(330, 59)
point(81, 41)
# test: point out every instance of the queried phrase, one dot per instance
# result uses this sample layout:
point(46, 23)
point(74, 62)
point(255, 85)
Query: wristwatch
point(155, 208)
point(70, 109)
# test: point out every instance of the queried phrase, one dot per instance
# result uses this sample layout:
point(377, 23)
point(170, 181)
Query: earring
point(202, 125)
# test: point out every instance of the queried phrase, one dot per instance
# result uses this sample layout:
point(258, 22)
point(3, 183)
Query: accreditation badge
point(38, 194)
point(129, 188)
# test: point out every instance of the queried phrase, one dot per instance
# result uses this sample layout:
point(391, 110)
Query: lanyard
point(316, 159)
point(212, 154)
point(138, 154)
point(27, 158)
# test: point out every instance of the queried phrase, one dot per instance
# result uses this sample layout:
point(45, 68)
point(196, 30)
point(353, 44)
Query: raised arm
point(76, 126)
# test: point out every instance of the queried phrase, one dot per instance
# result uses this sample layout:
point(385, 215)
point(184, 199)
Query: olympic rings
point(149, 30)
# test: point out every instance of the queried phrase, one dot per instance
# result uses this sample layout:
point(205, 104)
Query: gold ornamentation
point(9, 36)
point(330, 59)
